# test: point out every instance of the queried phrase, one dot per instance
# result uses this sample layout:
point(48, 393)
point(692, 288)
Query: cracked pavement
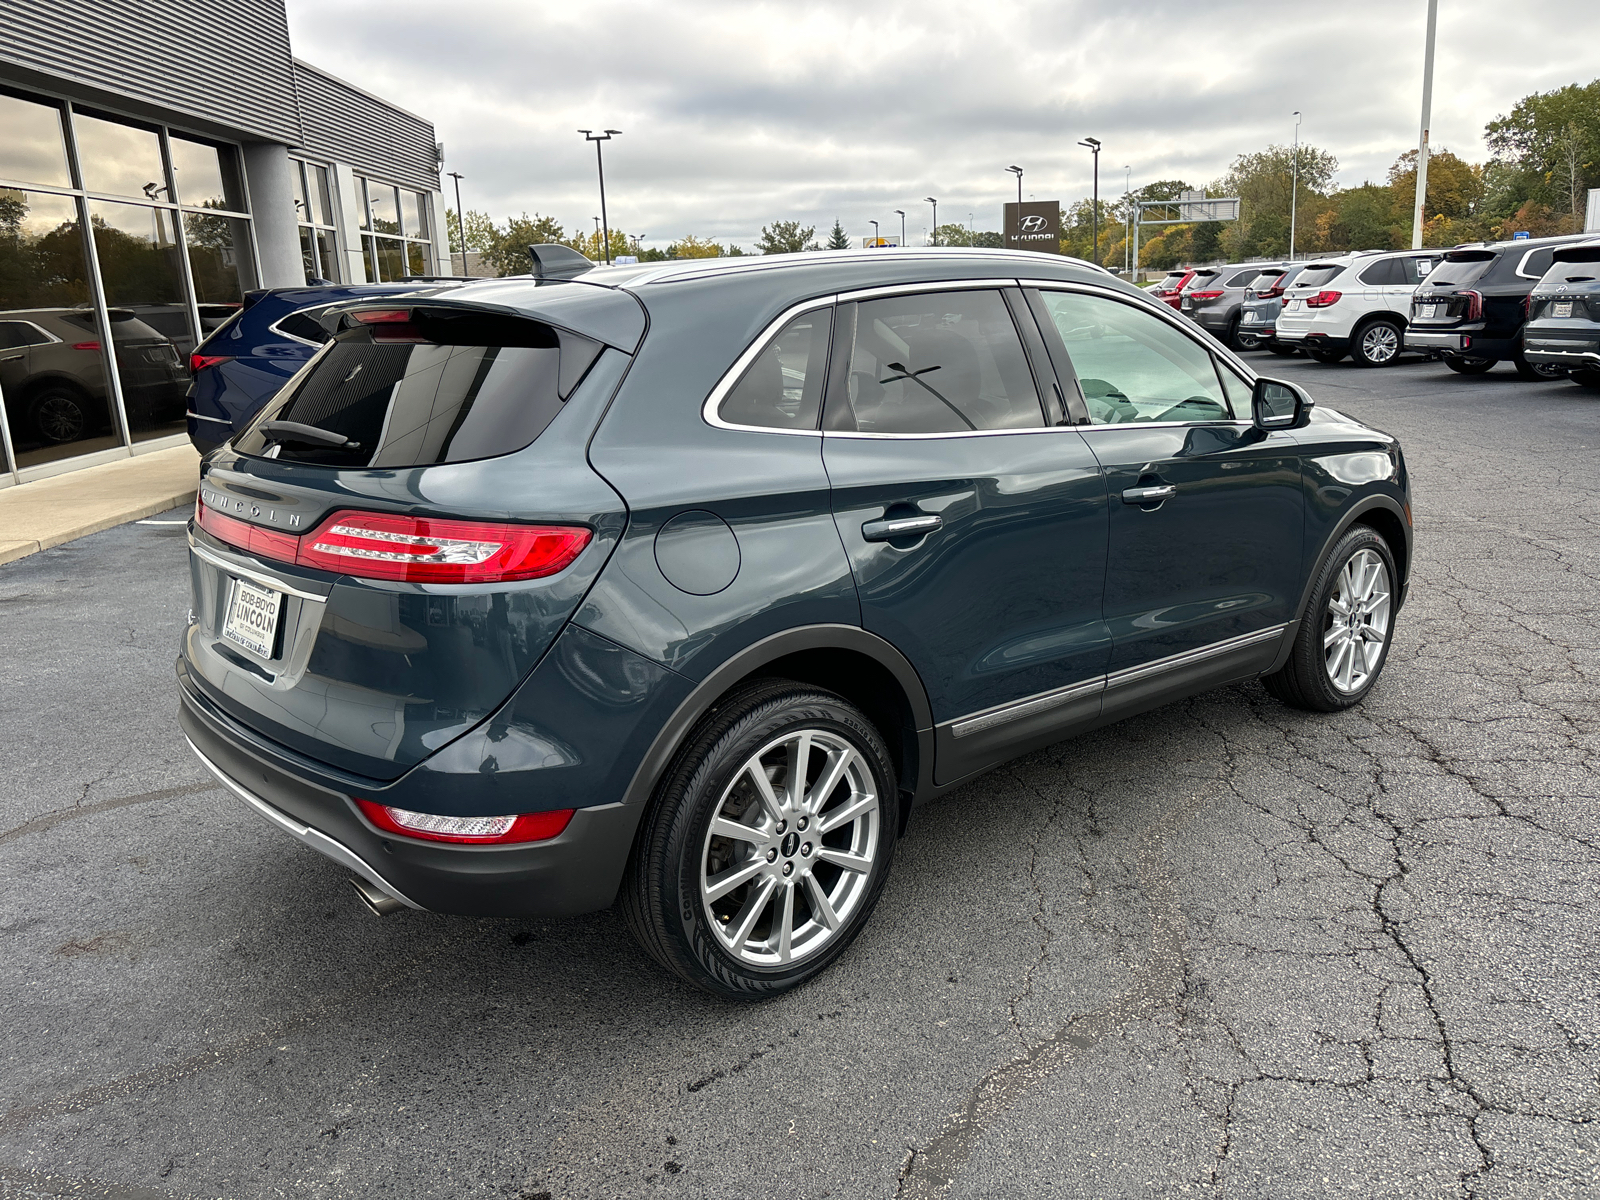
point(1225, 949)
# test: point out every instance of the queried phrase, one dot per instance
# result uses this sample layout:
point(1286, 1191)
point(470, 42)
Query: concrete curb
point(10, 551)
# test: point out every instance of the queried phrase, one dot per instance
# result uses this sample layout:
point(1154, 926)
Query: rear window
point(1317, 274)
point(1536, 262)
point(1456, 271)
point(444, 386)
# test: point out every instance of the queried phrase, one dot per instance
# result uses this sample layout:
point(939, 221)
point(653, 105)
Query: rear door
point(973, 515)
point(1205, 511)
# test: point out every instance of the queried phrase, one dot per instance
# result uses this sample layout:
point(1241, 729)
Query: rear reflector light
point(1323, 299)
point(471, 831)
point(383, 316)
point(1204, 295)
point(86, 345)
point(199, 362)
point(409, 549)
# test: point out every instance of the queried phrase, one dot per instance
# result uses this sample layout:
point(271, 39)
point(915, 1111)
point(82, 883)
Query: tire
point(1377, 344)
point(1536, 371)
point(1323, 355)
point(782, 866)
point(1469, 366)
point(60, 414)
point(1333, 664)
point(1246, 341)
point(1283, 349)
point(1587, 379)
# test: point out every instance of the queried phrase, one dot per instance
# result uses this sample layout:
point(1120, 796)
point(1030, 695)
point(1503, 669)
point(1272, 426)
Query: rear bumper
point(1470, 343)
point(1309, 337)
point(1580, 350)
point(579, 871)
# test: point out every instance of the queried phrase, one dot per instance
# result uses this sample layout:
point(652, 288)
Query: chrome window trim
point(203, 417)
point(50, 338)
point(730, 377)
point(254, 574)
point(956, 433)
point(315, 839)
point(942, 285)
point(274, 327)
point(1014, 710)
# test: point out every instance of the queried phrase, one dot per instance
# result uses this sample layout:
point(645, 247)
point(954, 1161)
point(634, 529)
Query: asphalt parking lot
point(1224, 949)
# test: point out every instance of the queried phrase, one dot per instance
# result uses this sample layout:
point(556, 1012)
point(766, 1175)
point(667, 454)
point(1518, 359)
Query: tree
point(953, 235)
point(507, 251)
point(693, 247)
point(786, 237)
point(480, 230)
point(1553, 140)
point(1262, 181)
point(838, 239)
point(1455, 186)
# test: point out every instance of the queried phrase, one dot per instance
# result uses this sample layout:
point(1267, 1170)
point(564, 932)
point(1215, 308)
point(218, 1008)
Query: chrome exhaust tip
point(379, 903)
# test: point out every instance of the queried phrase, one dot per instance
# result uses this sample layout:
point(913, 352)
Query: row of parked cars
point(1533, 302)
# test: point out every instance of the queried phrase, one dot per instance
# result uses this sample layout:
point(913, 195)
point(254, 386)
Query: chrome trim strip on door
point(1043, 701)
point(203, 417)
point(305, 835)
point(252, 573)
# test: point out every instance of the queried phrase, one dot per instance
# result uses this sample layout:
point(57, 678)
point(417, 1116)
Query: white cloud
point(735, 114)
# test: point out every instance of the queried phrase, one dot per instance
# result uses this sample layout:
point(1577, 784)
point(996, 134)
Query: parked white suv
point(1356, 305)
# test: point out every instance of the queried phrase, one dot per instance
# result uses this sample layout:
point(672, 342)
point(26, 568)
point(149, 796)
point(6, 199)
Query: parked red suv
point(1170, 288)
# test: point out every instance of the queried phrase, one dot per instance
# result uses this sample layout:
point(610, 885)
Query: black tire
point(1587, 379)
point(1283, 349)
point(1536, 372)
point(1378, 343)
point(1306, 679)
point(1469, 366)
point(662, 898)
point(1324, 354)
point(60, 414)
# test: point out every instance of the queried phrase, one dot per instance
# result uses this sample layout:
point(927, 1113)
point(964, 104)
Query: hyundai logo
point(1033, 224)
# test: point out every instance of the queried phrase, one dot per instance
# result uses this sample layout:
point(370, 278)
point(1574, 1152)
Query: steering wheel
point(1107, 406)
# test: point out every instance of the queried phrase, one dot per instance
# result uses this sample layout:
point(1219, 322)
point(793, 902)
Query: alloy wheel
point(790, 848)
point(59, 418)
point(1356, 622)
point(1380, 343)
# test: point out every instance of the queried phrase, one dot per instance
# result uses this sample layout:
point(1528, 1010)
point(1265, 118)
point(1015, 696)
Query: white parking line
point(185, 521)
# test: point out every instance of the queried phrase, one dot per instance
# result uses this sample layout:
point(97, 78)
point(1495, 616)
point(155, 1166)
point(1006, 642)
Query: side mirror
point(1278, 405)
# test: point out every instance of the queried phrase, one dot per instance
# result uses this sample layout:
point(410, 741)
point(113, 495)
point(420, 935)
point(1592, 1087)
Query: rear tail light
point(409, 549)
point(1527, 307)
point(1474, 306)
point(1323, 299)
point(199, 362)
point(1204, 295)
point(86, 345)
point(469, 831)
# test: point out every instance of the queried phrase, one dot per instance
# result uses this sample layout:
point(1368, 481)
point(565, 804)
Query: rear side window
point(1243, 277)
point(935, 362)
point(1460, 271)
point(304, 325)
point(1537, 262)
point(21, 333)
point(1384, 272)
point(441, 387)
point(782, 388)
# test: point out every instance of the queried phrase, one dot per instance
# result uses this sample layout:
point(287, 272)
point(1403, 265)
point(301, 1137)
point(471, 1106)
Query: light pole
point(1294, 184)
point(935, 204)
point(1127, 195)
point(604, 135)
point(1017, 171)
point(1419, 213)
point(461, 224)
point(875, 238)
point(901, 213)
point(1094, 146)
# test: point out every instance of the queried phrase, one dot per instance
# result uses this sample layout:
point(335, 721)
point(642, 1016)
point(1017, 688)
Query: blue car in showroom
point(243, 362)
point(684, 584)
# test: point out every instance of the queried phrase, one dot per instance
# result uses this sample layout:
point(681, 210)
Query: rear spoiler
point(1586, 252)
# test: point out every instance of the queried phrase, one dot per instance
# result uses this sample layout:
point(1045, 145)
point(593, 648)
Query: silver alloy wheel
point(1356, 624)
point(1380, 343)
point(790, 849)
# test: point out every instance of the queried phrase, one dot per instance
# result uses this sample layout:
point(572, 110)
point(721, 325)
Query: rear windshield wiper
point(294, 431)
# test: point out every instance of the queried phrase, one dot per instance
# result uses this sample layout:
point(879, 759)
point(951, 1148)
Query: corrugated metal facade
point(226, 63)
point(345, 124)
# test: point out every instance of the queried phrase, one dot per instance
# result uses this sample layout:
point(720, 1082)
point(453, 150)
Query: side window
point(782, 388)
point(305, 326)
point(1537, 263)
point(1133, 366)
point(1383, 273)
point(1417, 269)
point(936, 362)
point(1242, 278)
point(12, 335)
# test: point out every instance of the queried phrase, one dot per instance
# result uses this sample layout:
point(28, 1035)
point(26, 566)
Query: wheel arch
point(858, 665)
point(1381, 315)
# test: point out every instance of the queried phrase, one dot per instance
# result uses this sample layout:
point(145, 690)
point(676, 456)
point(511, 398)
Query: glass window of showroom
point(122, 244)
point(395, 238)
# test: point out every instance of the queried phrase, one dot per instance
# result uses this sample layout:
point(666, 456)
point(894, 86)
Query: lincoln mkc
point(681, 585)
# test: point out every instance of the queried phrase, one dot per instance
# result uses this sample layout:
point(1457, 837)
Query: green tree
point(1262, 181)
point(838, 239)
point(1455, 186)
point(507, 251)
point(786, 237)
point(693, 247)
point(480, 230)
point(1553, 140)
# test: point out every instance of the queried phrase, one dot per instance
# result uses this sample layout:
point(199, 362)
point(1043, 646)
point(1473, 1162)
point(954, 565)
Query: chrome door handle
point(9, 357)
point(1145, 495)
point(884, 530)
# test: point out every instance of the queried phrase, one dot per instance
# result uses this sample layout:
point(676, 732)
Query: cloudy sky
point(735, 113)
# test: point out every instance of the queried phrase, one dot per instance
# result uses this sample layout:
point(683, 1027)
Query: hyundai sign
point(1035, 225)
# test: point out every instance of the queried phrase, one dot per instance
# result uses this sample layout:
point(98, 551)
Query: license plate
point(1250, 318)
point(1293, 306)
point(252, 618)
point(1561, 308)
point(1428, 311)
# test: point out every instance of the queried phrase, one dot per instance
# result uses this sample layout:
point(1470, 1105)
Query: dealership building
point(157, 162)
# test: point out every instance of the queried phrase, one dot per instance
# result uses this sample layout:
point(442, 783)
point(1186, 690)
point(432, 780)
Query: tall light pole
point(875, 238)
point(461, 225)
point(1294, 182)
point(604, 135)
point(1094, 146)
point(1419, 214)
point(1017, 171)
point(901, 213)
point(1127, 195)
point(935, 204)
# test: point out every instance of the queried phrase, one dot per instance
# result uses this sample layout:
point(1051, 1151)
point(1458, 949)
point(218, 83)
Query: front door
point(975, 525)
point(1205, 511)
